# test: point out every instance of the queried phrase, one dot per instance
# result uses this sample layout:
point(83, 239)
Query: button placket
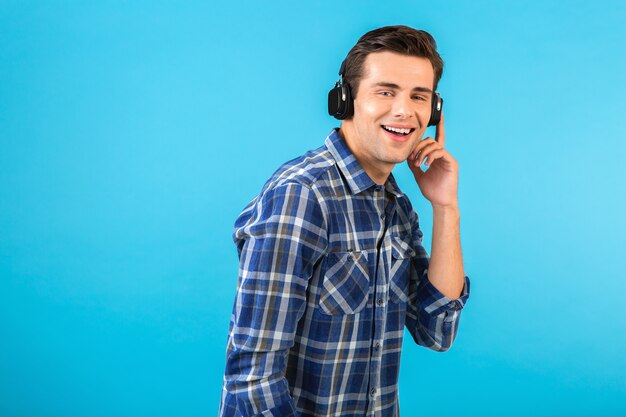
point(380, 200)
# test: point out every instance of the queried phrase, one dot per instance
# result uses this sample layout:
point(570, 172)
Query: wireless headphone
point(341, 103)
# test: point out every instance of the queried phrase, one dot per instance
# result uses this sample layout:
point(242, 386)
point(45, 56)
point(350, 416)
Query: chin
point(395, 159)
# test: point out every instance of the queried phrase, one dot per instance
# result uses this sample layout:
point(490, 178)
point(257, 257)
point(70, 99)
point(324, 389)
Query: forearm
point(446, 271)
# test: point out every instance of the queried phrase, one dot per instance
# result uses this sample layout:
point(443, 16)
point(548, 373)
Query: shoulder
point(295, 183)
point(305, 170)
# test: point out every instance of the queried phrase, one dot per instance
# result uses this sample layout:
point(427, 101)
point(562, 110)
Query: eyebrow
point(397, 87)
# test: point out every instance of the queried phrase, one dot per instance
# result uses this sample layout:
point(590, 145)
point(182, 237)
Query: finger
point(423, 143)
point(417, 171)
point(433, 156)
point(426, 151)
point(440, 133)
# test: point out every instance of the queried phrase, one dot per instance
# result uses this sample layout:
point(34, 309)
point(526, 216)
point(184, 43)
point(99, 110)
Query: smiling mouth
point(398, 131)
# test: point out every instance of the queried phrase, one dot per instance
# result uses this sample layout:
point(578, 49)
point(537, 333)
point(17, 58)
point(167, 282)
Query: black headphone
point(341, 103)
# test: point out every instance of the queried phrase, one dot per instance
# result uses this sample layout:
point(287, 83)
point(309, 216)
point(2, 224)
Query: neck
point(377, 171)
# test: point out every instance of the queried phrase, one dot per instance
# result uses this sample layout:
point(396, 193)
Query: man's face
point(391, 110)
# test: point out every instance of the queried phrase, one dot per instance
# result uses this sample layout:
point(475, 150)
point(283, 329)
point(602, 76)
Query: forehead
point(404, 70)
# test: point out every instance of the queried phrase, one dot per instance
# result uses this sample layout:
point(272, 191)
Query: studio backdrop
point(132, 134)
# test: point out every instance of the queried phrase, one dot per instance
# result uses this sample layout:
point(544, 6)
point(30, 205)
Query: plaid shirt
point(331, 270)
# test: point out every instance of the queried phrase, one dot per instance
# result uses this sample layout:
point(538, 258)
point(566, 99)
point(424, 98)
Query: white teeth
point(397, 130)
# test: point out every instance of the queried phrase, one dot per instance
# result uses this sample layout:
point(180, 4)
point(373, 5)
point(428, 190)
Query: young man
point(332, 267)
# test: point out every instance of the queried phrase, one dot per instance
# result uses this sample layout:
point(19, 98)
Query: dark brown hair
point(401, 39)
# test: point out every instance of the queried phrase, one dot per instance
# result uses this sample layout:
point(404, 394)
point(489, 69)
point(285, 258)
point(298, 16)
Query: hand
point(438, 184)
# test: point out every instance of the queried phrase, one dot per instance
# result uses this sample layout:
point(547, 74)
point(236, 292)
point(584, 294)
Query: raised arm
point(440, 287)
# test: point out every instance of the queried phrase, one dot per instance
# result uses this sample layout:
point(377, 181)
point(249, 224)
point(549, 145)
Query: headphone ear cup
point(340, 103)
point(437, 107)
point(348, 103)
point(334, 100)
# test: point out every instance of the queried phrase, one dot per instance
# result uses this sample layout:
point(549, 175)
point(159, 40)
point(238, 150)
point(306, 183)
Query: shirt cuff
point(286, 409)
point(433, 302)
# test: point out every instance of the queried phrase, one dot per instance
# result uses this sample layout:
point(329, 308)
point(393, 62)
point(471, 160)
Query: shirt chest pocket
point(345, 286)
point(400, 270)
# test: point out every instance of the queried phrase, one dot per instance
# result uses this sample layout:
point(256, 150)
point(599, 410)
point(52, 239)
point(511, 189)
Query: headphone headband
point(342, 69)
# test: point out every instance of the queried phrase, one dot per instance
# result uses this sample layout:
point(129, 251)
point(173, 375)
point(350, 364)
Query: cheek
point(370, 110)
point(423, 110)
point(420, 133)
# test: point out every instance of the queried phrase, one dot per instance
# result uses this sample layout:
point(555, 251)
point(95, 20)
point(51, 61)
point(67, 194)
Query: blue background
point(133, 133)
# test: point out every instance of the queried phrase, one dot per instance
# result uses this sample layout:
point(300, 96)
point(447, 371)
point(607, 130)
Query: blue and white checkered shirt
point(331, 270)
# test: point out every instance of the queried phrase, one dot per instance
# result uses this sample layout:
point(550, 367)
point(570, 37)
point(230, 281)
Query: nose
point(402, 107)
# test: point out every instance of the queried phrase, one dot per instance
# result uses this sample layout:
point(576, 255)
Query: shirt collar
point(355, 175)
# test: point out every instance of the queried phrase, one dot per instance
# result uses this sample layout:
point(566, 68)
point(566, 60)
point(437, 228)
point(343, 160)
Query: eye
point(419, 98)
point(386, 93)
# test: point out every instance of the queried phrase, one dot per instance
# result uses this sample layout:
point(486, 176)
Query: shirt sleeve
point(280, 243)
point(432, 318)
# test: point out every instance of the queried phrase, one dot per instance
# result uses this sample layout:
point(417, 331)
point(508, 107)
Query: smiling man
point(332, 267)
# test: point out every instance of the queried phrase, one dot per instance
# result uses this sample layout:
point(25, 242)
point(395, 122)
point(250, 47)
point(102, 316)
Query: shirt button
point(377, 347)
point(373, 392)
point(350, 257)
point(382, 216)
point(379, 301)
